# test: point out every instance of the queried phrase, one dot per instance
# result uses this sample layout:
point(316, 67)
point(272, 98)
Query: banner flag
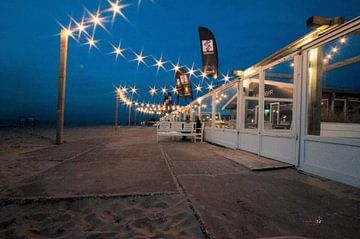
point(183, 85)
point(209, 52)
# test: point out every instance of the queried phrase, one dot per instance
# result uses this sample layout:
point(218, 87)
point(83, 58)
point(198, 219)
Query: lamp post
point(64, 35)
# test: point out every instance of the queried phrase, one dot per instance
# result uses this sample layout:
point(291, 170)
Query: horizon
point(30, 49)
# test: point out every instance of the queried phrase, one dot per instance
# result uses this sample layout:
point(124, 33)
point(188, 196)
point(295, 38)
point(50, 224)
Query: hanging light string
point(141, 106)
point(334, 50)
point(79, 30)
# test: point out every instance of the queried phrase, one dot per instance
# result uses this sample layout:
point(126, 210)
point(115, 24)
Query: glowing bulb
point(210, 87)
point(226, 78)
point(118, 51)
point(159, 64)
point(133, 90)
point(68, 32)
point(140, 58)
point(175, 90)
point(91, 42)
point(198, 88)
point(334, 49)
point(328, 56)
point(152, 91)
point(342, 40)
point(163, 90)
point(203, 75)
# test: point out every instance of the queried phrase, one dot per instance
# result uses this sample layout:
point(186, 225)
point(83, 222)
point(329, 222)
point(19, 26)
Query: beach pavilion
point(300, 105)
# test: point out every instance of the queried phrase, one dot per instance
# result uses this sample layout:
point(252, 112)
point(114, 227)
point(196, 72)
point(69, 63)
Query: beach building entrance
point(301, 105)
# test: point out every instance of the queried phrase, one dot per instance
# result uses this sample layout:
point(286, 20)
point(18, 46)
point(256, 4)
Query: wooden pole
point(135, 117)
point(116, 111)
point(61, 86)
point(130, 115)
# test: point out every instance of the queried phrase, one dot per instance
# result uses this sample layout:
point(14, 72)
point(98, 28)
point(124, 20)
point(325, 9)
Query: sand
point(107, 184)
point(161, 216)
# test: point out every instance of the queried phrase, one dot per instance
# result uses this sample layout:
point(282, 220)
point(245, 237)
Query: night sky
point(246, 31)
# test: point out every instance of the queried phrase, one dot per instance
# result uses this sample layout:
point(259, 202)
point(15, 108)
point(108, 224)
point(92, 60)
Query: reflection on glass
point(278, 96)
point(226, 108)
point(206, 109)
point(277, 115)
point(251, 86)
point(251, 114)
point(334, 88)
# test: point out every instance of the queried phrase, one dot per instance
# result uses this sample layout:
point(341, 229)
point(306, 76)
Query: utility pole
point(61, 86)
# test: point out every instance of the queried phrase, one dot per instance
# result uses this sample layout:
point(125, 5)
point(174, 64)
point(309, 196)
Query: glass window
point(251, 86)
point(334, 88)
point(278, 96)
point(226, 108)
point(206, 109)
point(251, 114)
point(277, 115)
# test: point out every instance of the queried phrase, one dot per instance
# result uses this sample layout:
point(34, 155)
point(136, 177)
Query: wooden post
point(130, 115)
point(61, 87)
point(116, 111)
point(135, 117)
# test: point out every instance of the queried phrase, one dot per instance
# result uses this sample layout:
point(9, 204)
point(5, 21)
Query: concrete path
point(218, 197)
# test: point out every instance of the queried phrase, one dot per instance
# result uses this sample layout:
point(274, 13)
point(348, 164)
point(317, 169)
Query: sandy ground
point(102, 184)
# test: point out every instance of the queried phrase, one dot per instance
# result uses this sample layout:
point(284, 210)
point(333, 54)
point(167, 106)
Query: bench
point(176, 129)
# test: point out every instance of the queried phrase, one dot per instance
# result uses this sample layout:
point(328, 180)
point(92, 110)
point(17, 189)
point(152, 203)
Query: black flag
point(209, 52)
point(183, 85)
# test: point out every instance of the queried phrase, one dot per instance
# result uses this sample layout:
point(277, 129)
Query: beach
point(103, 183)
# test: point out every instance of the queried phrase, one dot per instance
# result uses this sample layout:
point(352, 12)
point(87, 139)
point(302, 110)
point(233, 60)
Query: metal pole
point(135, 117)
point(61, 86)
point(116, 111)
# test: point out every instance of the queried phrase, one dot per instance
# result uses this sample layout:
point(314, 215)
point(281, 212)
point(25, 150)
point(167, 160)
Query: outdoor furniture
point(176, 129)
point(200, 133)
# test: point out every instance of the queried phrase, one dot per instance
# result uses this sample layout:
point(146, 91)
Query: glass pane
point(251, 114)
point(279, 80)
point(206, 109)
point(334, 88)
point(251, 86)
point(277, 115)
point(226, 108)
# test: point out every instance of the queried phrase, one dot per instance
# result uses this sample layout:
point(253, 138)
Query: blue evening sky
point(246, 31)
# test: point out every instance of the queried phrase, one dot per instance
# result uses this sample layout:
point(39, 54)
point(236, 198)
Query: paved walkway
point(213, 196)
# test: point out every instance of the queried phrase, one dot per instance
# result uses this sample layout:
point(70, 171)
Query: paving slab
point(250, 160)
point(110, 169)
point(254, 204)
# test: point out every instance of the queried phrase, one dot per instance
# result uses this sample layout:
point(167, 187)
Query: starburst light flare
point(140, 58)
point(159, 64)
point(117, 8)
point(91, 42)
point(118, 51)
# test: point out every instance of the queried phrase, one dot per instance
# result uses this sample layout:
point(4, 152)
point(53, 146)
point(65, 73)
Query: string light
point(191, 71)
point(91, 42)
point(140, 58)
point(152, 91)
point(198, 88)
point(117, 8)
point(133, 90)
point(118, 51)
point(203, 75)
point(226, 78)
point(159, 64)
point(163, 90)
